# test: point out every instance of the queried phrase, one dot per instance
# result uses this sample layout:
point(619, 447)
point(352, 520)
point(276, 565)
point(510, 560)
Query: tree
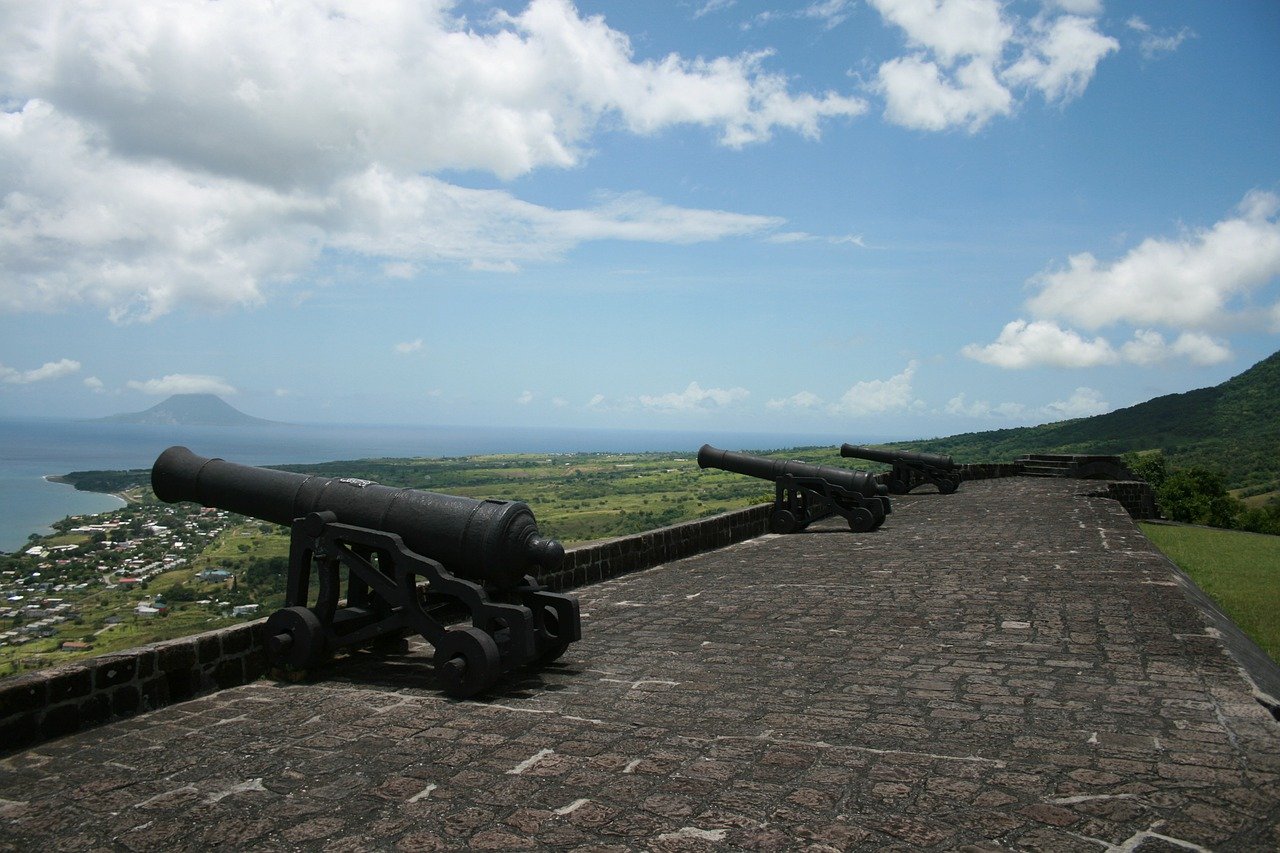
point(1198, 496)
point(1152, 467)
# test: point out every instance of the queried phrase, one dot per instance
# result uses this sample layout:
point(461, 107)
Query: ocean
point(32, 449)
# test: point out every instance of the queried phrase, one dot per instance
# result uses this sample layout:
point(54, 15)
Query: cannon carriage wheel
point(467, 662)
point(295, 638)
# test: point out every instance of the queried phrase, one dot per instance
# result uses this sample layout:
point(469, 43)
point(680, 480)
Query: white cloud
point(598, 403)
point(832, 13)
point(1082, 404)
point(1061, 59)
point(1091, 8)
point(1153, 45)
point(94, 384)
point(1186, 282)
point(45, 372)
point(959, 73)
point(409, 346)
point(525, 398)
point(919, 95)
point(1148, 347)
point(712, 6)
point(170, 153)
point(958, 405)
point(182, 383)
point(878, 395)
point(694, 398)
point(1031, 344)
point(559, 402)
point(806, 400)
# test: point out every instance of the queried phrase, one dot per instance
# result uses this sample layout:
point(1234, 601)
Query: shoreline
point(61, 479)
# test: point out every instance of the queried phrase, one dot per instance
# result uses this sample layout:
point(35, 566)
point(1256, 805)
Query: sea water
point(32, 449)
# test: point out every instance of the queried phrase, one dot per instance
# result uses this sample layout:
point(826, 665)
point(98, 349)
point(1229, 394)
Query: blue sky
point(896, 218)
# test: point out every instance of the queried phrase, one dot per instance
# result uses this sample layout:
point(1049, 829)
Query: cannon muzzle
point(893, 457)
point(486, 540)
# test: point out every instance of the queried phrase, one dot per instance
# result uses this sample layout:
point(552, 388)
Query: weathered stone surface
point(1009, 667)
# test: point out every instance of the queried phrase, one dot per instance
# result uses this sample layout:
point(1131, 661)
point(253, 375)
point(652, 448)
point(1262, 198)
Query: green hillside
point(1233, 428)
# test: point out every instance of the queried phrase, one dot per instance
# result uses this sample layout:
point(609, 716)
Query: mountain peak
point(190, 410)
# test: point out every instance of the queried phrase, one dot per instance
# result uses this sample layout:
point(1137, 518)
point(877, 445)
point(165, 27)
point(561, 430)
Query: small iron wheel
point(467, 662)
point(295, 638)
point(946, 487)
point(782, 521)
point(898, 487)
point(861, 520)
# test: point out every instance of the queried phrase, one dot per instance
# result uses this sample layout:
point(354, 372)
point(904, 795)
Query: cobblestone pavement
point(1009, 667)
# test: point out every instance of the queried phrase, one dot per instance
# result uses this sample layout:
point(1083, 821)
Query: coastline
point(61, 479)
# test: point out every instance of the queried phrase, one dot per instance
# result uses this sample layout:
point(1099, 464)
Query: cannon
point(479, 554)
point(804, 493)
point(910, 469)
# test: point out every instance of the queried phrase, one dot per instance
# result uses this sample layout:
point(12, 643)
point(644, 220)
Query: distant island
point(190, 410)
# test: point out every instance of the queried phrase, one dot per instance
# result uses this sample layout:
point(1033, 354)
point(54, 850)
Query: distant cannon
point(804, 493)
point(476, 553)
point(910, 469)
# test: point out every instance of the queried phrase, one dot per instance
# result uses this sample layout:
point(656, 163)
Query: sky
point(889, 218)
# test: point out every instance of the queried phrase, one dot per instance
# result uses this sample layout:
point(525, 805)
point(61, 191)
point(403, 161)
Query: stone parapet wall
point(43, 705)
point(989, 470)
point(50, 703)
point(1136, 496)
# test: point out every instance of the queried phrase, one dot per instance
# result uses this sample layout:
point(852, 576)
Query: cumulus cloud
point(525, 398)
point(1084, 403)
point(94, 384)
point(43, 373)
point(182, 383)
point(694, 398)
point(1148, 347)
point(879, 395)
point(154, 155)
point(1061, 57)
point(1185, 282)
point(961, 405)
point(805, 400)
point(971, 58)
point(407, 347)
point(1202, 280)
point(1041, 342)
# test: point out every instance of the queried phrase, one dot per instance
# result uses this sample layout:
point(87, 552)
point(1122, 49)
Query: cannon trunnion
point(910, 469)
point(479, 554)
point(804, 493)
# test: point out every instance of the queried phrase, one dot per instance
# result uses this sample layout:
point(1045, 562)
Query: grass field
point(1241, 571)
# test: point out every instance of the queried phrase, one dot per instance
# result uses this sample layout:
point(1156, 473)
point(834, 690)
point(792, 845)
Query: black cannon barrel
point(490, 540)
point(855, 482)
point(889, 457)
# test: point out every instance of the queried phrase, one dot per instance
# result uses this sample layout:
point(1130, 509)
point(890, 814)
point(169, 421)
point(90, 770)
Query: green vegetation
point(576, 497)
point(1241, 571)
point(79, 594)
point(1199, 496)
point(1232, 429)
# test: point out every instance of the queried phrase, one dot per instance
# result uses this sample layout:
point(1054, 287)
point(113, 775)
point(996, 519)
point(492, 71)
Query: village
point(135, 575)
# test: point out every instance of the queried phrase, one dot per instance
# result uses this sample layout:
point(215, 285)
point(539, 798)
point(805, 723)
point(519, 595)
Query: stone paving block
point(1009, 667)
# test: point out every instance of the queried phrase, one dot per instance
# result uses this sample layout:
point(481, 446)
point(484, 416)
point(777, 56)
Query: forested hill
point(1233, 428)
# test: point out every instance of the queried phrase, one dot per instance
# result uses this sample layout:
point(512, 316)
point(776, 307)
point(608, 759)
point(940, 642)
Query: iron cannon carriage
point(479, 554)
point(910, 469)
point(804, 493)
